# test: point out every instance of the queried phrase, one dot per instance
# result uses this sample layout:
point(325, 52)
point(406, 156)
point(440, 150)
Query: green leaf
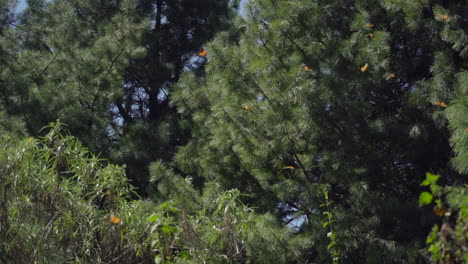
point(328, 214)
point(168, 229)
point(184, 254)
point(425, 198)
point(436, 189)
point(433, 235)
point(173, 209)
point(153, 218)
point(158, 259)
point(331, 245)
point(430, 178)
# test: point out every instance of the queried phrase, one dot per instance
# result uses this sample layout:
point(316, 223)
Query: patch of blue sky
point(242, 7)
point(21, 6)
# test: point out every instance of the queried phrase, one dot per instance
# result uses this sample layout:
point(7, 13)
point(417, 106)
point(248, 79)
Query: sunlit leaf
point(425, 198)
point(430, 178)
point(153, 218)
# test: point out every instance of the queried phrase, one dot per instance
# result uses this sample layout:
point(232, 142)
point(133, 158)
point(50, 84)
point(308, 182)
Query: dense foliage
point(303, 131)
point(60, 204)
point(105, 69)
point(340, 96)
point(56, 203)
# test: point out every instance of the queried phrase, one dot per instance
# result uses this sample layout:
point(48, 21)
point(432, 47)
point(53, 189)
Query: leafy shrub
point(57, 201)
point(448, 242)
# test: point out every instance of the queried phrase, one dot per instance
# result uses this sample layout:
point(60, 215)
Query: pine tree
point(8, 57)
point(150, 128)
point(339, 97)
point(105, 68)
point(309, 124)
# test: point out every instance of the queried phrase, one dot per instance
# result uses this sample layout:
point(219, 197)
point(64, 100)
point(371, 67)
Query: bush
point(57, 201)
point(448, 241)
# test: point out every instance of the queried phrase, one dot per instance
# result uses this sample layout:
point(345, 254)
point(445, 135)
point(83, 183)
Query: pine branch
point(50, 63)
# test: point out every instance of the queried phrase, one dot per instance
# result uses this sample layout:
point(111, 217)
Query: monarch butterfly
point(114, 219)
point(307, 68)
point(202, 53)
point(370, 35)
point(391, 75)
point(445, 17)
point(369, 25)
point(288, 167)
point(364, 68)
point(441, 104)
point(245, 107)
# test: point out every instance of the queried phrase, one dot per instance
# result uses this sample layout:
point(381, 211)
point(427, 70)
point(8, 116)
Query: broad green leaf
point(425, 198)
point(430, 179)
point(164, 205)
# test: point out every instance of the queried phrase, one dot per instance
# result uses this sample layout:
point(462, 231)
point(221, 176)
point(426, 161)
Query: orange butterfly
point(245, 107)
point(370, 35)
point(466, 129)
point(202, 53)
point(369, 25)
point(441, 104)
point(307, 68)
point(445, 17)
point(114, 219)
point(364, 68)
point(391, 75)
point(288, 167)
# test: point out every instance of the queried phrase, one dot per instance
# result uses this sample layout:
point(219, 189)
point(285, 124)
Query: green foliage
point(335, 254)
point(458, 123)
point(60, 204)
point(56, 203)
point(106, 69)
point(350, 97)
point(356, 100)
point(447, 242)
point(425, 198)
point(215, 226)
